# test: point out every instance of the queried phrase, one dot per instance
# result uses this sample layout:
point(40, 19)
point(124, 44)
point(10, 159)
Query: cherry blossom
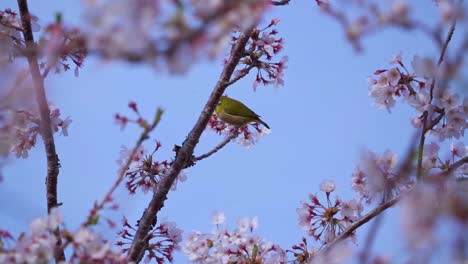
point(247, 137)
point(239, 246)
point(374, 177)
point(163, 240)
point(321, 220)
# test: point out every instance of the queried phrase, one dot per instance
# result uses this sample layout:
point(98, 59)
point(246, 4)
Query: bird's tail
point(263, 123)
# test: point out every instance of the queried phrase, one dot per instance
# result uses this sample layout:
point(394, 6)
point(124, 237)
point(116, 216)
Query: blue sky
point(321, 119)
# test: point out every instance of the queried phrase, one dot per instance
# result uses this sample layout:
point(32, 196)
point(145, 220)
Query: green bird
point(236, 113)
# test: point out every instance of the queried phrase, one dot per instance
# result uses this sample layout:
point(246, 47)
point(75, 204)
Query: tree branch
point(379, 209)
point(240, 76)
point(144, 135)
point(233, 135)
point(456, 165)
point(45, 126)
point(280, 2)
point(422, 139)
point(149, 218)
point(442, 54)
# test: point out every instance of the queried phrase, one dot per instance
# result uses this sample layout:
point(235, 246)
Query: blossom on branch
point(248, 137)
point(426, 92)
point(432, 204)
point(238, 246)
point(322, 221)
point(171, 34)
point(375, 179)
point(259, 52)
point(163, 241)
point(25, 125)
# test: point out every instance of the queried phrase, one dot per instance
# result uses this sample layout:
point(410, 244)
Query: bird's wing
point(232, 110)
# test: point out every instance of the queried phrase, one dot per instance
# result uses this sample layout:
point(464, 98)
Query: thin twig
point(149, 218)
point(152, 51)
point(374, 213)
point(280, 2)
point(422, 139)
point(379, 209)
point(233, 135)
point(425, 129)
point(441, 56)
point(46, 71)
point(45, 126)
point(426, 116)
point(455, 165)
point(240, 76)
point(144, 135)
point(447, 40)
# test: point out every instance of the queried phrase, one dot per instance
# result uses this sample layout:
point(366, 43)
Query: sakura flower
point(37, 247)
point(449, 11)
point(162, 241)
point(327, 186)
point(424, 67)
point(384, 95)
point(248, 224)
point(355, 29)
point(88, 246)
point(420, 102)
point(400, 10)
point(427, 207)
point(455, 125)
point(238, 246)
point(217, 218)
point(393, 76)
point(431, 156)
point(428, 200)
point(397, 58)
point(458, 149)
point(321, 220)
point(57, 122)
point(416, 122)
point(65, 124)
point(374, 176)
point(351, 209)
point(266, 41)
point(449, 100)
point(172, 232)
point(136, 159)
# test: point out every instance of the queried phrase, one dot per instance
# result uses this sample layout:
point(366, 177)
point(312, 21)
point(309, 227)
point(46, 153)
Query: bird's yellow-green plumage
point(236, 113)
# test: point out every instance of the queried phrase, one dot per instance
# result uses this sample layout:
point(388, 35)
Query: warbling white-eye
point(236, 113)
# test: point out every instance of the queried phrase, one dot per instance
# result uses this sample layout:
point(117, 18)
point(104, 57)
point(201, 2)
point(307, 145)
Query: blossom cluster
point(241, 245)
point(61, 44)
point(10, 34)
point(262, 46)
point(55, 47)
point(23, 127)
point(143, 173)
point(431, 158)
point(168, 33)
point(303, 254)
point(325, 221)
point(430, 205)
point(138, 166)
point(39, 245)
point(365, 17)
point(167, 235)
point(425, 90)
point(375, 178)
point(36, 247)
